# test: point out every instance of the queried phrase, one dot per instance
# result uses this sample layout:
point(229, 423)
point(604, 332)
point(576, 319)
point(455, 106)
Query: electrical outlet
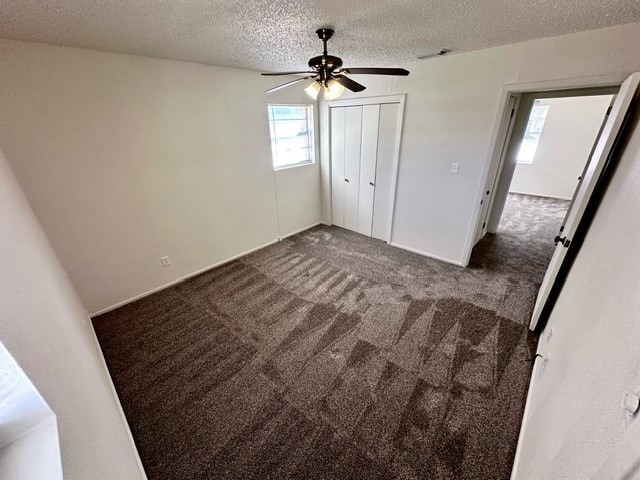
point(166, 261)
point(455, 167)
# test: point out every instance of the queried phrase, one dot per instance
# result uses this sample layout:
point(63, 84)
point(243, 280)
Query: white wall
point(34, 455)
point(126, 159)
point(567, 137)
point(451, 109)
point(44, 326)
point(574, 418)
point(29, 446)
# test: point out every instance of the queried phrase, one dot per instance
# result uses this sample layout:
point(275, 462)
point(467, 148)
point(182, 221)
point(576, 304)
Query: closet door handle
point(372, 184)
point(346, 180)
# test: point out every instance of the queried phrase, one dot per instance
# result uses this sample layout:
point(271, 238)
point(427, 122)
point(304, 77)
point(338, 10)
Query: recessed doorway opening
point(551, 156)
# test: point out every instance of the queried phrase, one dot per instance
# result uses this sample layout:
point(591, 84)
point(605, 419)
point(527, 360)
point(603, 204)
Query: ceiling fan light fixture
point(313, 89)
point(333, 90)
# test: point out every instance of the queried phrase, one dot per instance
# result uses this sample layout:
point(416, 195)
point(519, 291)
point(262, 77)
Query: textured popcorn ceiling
point(279, 34)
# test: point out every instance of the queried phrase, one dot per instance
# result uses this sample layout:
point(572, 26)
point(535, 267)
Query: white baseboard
point(540, 195)
point(525, 422)
point(112, 387)
point(425, 254)
point(181, 279)
point(300, 230)
point(197, 272)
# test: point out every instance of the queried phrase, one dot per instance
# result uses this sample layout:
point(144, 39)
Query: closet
point(364, 154)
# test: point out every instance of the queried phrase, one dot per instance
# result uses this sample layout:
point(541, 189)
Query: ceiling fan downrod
point(325, 64)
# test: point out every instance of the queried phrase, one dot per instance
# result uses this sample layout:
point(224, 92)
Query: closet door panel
point(353, 132)
point(337, 165)
point(368, 154)
point(388, 136)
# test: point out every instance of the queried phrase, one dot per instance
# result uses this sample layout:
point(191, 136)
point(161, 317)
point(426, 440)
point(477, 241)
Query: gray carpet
point(334, 356)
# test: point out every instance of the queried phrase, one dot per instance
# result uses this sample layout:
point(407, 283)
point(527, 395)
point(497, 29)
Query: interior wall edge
point(114, 393)
point(40, 308)
point(524, 422)
point(109, 52)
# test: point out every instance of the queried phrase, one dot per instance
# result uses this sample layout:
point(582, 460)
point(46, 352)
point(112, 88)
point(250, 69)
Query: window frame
point(311, 136)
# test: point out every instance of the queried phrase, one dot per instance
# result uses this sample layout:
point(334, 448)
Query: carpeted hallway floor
point(334, 356)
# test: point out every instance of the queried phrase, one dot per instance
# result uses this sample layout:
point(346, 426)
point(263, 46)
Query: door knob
point(346, 180)
point(372, 184)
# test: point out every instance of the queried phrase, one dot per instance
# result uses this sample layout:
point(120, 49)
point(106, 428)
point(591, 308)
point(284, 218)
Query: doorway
point(364, 146)
point(524, 127)
point(548, 139)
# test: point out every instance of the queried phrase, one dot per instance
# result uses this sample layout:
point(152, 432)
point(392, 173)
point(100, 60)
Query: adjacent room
point(249, 240)
point(549, 142)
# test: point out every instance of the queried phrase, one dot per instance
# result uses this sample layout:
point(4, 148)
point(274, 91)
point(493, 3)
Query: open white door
point(586, 165)
point(590, 178)
point(624, 461)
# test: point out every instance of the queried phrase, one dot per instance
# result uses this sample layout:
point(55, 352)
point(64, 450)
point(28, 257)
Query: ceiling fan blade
point(288, 83)
point(273, 74)
point(348, 83)
point(376, 71)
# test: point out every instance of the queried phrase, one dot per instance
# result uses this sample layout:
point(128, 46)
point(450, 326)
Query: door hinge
point(609, 109)
point(483, 225)
point(513, 110)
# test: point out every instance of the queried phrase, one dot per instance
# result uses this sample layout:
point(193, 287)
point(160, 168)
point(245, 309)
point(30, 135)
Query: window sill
point(293, 165)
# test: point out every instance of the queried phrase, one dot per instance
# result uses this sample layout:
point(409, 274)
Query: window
point(531, 138)
point(291, 129)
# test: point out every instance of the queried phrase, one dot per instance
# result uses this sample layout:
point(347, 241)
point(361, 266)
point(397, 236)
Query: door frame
point(325, 148)
point(489, 172)
point(506, 169)
point(502, 143)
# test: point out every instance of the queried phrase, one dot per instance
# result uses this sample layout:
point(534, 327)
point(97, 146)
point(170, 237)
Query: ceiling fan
point(327, 72)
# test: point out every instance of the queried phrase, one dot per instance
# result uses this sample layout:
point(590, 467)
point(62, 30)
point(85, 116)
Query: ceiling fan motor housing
point(325, 65)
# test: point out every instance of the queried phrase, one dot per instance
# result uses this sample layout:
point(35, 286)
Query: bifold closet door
point(337, 165)
point(388, 139)
point(364, 140)
point(352, 147)
point(368, 157)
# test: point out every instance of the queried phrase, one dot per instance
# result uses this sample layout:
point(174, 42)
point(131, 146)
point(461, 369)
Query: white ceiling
point(279, 34)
